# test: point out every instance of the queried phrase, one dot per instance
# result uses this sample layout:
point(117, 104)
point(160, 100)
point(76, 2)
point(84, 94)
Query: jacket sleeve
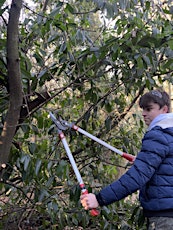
point(153, 151)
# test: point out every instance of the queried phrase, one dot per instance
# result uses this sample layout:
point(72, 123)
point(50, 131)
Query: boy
point(152, 171)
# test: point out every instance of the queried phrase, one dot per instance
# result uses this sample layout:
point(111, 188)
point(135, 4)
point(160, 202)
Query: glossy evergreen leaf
point(89, 62)
point(38, 166)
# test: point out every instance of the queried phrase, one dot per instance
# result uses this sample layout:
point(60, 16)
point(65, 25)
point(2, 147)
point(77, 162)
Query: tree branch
point(15, 85)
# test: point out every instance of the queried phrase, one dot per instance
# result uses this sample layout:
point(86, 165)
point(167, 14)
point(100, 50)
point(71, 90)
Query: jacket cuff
point(99, 199)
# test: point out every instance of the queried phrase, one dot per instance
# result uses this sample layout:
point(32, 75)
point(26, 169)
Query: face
point(152, 111)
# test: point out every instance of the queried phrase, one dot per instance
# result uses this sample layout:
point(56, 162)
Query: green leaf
point(62, 47)
point(70, 8)
point(32, 147)
point(80, 35)
point(147, 5)
point(42, 73)
point(170, 43)
point(2, 3)
point(25, 160)
point(43, 194)
point(56, 10)
point(38, 58)
point(38, 166)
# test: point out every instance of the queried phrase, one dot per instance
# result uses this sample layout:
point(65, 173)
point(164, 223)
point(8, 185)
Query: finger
point(84, 202)
point(82, 196)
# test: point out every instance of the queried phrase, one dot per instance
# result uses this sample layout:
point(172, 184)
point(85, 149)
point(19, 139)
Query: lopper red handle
point(129, 157)
point(93, 212)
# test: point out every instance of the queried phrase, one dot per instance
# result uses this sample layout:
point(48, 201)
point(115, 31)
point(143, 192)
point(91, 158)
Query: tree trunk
point(14, 82)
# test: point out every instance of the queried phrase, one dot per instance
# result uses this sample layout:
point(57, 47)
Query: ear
point(165, 109)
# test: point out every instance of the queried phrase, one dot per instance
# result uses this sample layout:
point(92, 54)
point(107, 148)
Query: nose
point(144, 113)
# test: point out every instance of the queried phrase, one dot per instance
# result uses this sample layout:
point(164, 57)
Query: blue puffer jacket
point(152, 171)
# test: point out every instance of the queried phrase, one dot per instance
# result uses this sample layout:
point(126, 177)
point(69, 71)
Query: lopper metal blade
point(58, 122)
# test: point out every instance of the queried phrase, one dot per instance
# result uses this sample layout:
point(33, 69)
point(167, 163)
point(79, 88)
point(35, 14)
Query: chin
point(147, 123)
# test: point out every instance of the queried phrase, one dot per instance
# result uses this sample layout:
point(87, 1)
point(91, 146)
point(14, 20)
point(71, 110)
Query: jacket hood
point(163, 120)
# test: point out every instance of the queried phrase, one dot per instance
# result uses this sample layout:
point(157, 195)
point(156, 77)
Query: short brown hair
point(156, 96)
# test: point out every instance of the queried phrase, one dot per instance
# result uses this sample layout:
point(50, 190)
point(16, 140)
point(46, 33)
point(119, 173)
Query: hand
point(89, 201)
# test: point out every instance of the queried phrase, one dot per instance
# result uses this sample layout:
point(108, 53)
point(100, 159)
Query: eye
point(148, 109)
